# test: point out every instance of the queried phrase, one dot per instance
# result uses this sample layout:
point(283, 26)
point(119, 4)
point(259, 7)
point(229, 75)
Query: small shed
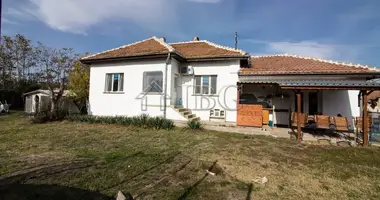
point(39, 100)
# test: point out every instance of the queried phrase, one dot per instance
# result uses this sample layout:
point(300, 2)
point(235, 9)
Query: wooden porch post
point(238, 94)
point(299, 116)
point(365, 118)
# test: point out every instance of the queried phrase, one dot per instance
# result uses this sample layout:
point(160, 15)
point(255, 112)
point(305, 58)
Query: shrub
point(195, 125)
point(168, 124)
point(46, 116)
point(40, 117)
point(143, 121)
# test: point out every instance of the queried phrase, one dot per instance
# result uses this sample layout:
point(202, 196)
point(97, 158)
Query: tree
point(17, 59)
point(54, 67)
point(79, 84)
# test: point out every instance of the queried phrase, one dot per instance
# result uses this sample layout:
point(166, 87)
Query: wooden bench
point(341, 124)
point(323, 121)
point(294, 119)
point(294, 123)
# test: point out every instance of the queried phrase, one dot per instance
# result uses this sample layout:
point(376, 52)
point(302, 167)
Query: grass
point(67, 160)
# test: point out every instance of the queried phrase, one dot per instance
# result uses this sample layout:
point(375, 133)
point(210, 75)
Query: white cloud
point(304, 48)
point(8, 21)
point(206, 1)
point(78, 16)
point(340, 52)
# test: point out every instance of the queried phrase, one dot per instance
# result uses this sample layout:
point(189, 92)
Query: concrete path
point(230, 127)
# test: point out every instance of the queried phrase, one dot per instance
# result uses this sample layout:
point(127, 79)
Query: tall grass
point(195, 125)
point(143, 121)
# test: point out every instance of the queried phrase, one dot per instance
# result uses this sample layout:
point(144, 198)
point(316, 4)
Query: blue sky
point(343, 30)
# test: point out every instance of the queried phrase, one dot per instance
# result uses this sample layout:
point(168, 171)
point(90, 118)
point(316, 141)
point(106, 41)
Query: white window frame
point(209, 85)
point(120, 86)
point(146, 86)
point(218, 113)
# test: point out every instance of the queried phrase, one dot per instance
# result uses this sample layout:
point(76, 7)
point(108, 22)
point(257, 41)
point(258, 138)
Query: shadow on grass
point(249, 194)
point(47, 192)
point(43, 171)
point(191, 188)
point(168, 160)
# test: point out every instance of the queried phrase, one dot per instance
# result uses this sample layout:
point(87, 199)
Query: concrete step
point(183, 109)
point(186, 113)
point(195, 118)
point(178, 106)
point(191, 116)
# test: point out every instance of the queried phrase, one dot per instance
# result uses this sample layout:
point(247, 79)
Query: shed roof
point(47, 92)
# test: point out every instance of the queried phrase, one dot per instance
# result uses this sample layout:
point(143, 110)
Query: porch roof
point(316, 84)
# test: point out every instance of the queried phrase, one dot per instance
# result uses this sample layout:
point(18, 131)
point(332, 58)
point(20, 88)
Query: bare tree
point(16, 59)
point(54, 65)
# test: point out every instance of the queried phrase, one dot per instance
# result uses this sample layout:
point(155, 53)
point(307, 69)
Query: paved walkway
point(272, 132)
point(230, 127)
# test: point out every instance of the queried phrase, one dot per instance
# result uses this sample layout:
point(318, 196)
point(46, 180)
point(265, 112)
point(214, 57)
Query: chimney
point(163, 39)
point(196, 38)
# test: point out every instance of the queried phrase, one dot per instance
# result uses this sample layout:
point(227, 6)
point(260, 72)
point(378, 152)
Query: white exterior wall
point(130, 102)
point(226, 96)
point(32, 107)
point(341, 102)
point(175, 92)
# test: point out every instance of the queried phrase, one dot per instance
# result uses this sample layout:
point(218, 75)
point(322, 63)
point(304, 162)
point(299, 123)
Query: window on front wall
point(114, 82)
point(153, 82)
point(205, 85)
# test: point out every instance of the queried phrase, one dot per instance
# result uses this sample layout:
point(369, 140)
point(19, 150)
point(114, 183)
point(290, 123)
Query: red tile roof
point(150, 46)
point(291, 64)
point(156, 46)
point(205, 49)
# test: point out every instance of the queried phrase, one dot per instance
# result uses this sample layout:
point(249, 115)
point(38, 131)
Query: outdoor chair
point(341, 126)
point(358, 123)
point(324, 122)
point(294, 119)
point(294, 122)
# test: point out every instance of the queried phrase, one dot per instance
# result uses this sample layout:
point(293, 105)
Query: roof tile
point(187, 50)
point(150, 46)
point(205, 49)
point(291, 64)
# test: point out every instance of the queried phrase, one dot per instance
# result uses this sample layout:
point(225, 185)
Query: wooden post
point(365, 118)
point(238, 104)
point(238, 94)
point(298, 117)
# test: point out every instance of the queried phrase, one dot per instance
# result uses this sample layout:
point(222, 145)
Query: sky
point(340, 30)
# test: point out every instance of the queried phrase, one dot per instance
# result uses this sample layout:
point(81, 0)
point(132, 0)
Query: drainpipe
point(166, 83)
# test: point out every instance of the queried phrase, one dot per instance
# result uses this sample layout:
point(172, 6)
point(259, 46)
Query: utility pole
point(236, 40)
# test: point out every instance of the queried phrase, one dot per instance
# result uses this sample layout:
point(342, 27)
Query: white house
point(206, 81)
point(198, 75)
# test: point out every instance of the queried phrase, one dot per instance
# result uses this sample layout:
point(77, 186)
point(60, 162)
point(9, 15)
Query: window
point(205, 85)
point(114, 82)
point(217, 113)
point(152, 82)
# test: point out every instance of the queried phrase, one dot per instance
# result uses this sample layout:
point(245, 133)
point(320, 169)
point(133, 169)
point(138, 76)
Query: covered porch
point(283, 101)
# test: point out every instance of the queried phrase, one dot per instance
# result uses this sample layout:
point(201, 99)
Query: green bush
point(143, 121)
point(168, 124)
point(195, 125)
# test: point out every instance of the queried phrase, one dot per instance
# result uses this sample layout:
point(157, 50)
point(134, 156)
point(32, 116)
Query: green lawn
point(67, 160)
